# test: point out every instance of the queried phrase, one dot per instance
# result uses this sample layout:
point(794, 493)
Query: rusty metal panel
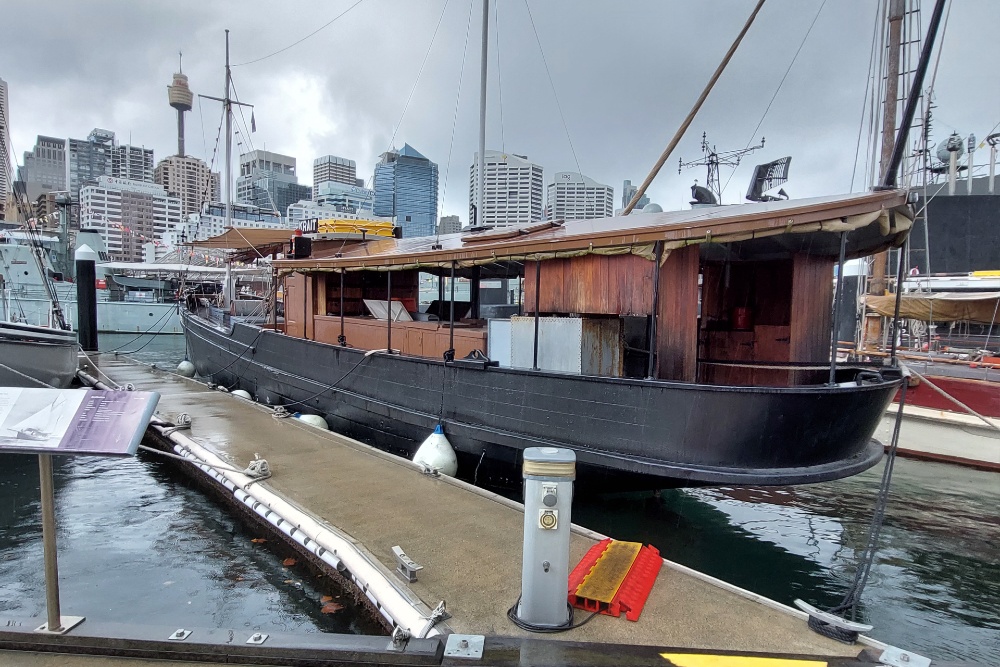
point(603, 345)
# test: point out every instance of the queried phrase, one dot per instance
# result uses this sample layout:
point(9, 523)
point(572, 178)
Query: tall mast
point(896, 9)
point(228, 108)
point(227, 105)
point(481, 185)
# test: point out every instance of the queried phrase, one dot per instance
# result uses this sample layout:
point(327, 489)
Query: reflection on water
point(137, 545)
point(934, 588)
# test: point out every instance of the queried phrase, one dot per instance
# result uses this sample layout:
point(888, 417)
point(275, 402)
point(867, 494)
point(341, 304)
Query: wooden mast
point(881, 260)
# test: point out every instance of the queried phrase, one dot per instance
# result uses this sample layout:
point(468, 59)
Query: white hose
point(331, 547)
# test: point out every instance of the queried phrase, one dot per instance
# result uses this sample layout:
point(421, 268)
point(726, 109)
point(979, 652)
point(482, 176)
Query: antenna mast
point(711, 159)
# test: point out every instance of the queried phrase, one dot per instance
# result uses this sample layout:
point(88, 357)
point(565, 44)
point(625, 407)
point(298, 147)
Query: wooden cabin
point(730, 295)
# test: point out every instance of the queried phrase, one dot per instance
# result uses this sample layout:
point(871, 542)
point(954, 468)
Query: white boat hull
point(36, 356)
point(112, 316)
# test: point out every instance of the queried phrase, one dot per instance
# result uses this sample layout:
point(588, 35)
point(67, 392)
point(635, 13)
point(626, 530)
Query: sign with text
point(74, 421)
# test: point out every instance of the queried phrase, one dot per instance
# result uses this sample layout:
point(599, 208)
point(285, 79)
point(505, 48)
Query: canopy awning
point(975, 307)
point(874, 220)
point(242, 239)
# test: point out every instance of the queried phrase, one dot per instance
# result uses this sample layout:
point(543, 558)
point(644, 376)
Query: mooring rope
point(852, 599)
point(25, 376)
point(951, 398)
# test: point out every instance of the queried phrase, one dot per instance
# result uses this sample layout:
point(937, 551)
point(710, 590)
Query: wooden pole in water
point(690, 117)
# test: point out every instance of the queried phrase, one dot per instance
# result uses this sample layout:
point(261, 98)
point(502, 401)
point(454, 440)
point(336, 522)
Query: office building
point(43, 169)
point(129, 214)
point(268, 181)
point(132, 163)
point(100, 155)
point(211, 221)
point(406, 188)
point(333, 169)
point(628, 192)
point(573, 196)
point(352, 198)
point(189, 179)
point(302, 211)
point(513, 194)
point(449, 224)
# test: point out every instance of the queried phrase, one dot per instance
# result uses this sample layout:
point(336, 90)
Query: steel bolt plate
point(897, 657)
point(465, 646)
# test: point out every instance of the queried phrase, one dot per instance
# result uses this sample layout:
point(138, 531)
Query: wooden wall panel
point(309, 300)
point(677, 323)
point(812, 303)
point(592, 284)
point(295, 305)
point(420, 339)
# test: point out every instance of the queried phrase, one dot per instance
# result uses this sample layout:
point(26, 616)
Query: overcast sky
point(625, 75)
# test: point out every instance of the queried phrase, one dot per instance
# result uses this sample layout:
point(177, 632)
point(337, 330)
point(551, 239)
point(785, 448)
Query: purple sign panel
point(74, 421)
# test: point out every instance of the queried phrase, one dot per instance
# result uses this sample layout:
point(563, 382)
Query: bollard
point(548, 495)
point(86, 297)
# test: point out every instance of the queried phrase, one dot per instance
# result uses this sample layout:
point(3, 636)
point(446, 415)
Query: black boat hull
point(626, 433)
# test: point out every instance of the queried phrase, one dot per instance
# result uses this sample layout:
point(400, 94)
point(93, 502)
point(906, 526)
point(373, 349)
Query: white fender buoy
point(437, 453)
point(185, 368)
point(242, 393)
point(314, 420)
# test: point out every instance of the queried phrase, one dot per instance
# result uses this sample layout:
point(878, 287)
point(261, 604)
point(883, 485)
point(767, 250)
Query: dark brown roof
point(675, 228)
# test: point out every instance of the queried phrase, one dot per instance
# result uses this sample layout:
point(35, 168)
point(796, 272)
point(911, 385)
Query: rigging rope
point(864, 102)
point(454, 119)
point(778, 89)
point(296, 43)
point(552, 85)
point(852, 599)
point(496, 27)
point(419, 73)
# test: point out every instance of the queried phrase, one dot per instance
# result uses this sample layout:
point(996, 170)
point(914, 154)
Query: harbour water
point(137, 543)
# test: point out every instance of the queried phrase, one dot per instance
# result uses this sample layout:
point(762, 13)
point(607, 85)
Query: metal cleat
point(407, 567)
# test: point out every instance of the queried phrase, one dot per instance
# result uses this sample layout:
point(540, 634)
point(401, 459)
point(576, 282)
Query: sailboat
point(31, 355)
point(626, 348)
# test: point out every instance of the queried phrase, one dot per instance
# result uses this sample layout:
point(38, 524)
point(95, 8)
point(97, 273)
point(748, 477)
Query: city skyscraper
point(87, 159)
point(43, 169)
point(406, 188)
point(268, 180)
point(513, 193)
point(132, 162)
point(628, 191)
point(129, 214)
point(190, 180)
point(100, 155)
point(573, 196)
point(333, 169)
point(449, 224)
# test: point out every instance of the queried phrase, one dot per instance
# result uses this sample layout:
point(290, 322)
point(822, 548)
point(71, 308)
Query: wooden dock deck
point(468, 540)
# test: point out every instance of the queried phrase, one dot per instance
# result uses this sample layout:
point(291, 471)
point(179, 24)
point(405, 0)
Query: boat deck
point(468, 540)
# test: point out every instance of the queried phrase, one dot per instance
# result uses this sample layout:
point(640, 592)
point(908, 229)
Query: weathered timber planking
point(677, 324)
point(591, 285)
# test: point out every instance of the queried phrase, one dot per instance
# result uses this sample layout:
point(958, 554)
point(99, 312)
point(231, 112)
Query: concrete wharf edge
point(467, 539)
